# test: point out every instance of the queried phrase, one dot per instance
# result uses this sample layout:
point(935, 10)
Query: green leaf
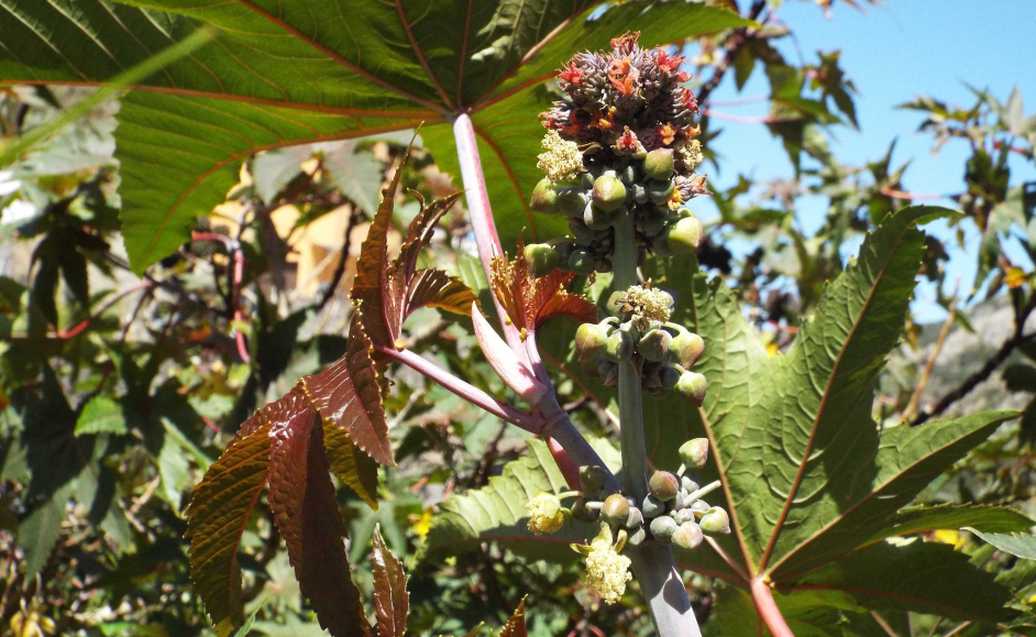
point(220, 508)
point(100, 415)
point(955, 516)
point(813, 613)
point(368, 67)
point(391, 600)
point(929, 578)
point(1021, 545)
point(39, 532)
point(497, 512)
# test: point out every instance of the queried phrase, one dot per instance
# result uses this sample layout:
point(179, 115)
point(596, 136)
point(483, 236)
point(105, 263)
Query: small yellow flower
point(645, 304)
point(561, 159)
point(1014, 277)
point(606, 570)
point(545, 514)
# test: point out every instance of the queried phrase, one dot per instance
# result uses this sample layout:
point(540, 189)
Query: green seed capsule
point(591, 478)
point(688, 485)
point(629, 175)
point(684, 236)
point(639, 194)
point(619, 346)
point(664, 485)
point(663, 527)
point(609, 193)
point(692, 385)
point(715, 520)
point(684, 515)
point(581, 261)
point(571, 202)
point(637, 537)
point(686, 347)
point(695, 452)
point(595, 218)
point(659, 194)
point(542, 258)
point(654, 345)
point(658, 164)
point(688, 536)
point(652, 507)
point(616, 509)
point(544, 197)
point(634, 520)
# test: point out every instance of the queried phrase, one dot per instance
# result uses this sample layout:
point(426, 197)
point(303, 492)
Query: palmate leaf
point(331, 421)
point(1021, 545)
point(529, 301)
point(809, 478)
point(368, 66)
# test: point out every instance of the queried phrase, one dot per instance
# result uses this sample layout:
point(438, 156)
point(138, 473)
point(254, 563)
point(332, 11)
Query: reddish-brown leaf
point(302, 500)
point(347, 393)
point(391, 600)
point(529, 301)
point(515, 626)
point(221, 506)
point(388, 291)
point(352, 467)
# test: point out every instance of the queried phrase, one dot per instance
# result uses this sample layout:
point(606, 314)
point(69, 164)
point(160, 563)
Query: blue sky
point(894, 52)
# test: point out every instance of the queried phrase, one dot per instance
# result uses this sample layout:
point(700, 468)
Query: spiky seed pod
point(592, 479)
point(544, 196)
point(695, 453)
point(658, 164)
point(684, 236)
point(581, 261)
point(634, 520)
point(654, 345)
point(664, 485)
point(686, 347)
point(715, 520)
point(609, 193)
point(542, 258)
point(683, 515)
point(652, 507)
point(616, 509)
point(581, 511)
point(692, 385)
point(688, 536)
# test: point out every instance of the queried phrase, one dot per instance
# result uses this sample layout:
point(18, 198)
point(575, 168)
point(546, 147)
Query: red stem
point(477, 196)
point(238, 256)
point(767, 608)
point(464, 389)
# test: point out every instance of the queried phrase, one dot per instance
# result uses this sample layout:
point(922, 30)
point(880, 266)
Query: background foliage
point(148, 310)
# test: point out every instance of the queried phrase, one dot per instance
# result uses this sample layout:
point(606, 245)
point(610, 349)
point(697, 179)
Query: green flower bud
point(591, 477)
point(692, 385)
point(570, 202)
point(699, 507)
point(545, 514)
point(686, 347)
point(544, 197)
point(616, 509)
point(652, 507)
point(581, 261)
point(695, 453)
point(542, 258)
point(684, 515)
point(663, 527)
point(684, 236)
point(654, 345)
point(640, 195)
point(595, 218)
point(629, 175)
point(581, 511)
point(615, 300)
point(687, 536)
point(590, 341)
point(664, 485)
point(715, 520)
point(619, 345)
point(659, 194)
point(635, 519)
point(637, 537)
point(658, 164)
point(609, 194)
point(684, 212)
point(688, 485)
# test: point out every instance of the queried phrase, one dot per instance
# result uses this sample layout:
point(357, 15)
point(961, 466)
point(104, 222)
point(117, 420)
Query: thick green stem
point(653, 563)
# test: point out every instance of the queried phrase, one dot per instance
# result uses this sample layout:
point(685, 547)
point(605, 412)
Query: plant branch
point(733, 45)
point(463, 389)
point(1017, 339)
point(766, 607)
point(926, 373)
